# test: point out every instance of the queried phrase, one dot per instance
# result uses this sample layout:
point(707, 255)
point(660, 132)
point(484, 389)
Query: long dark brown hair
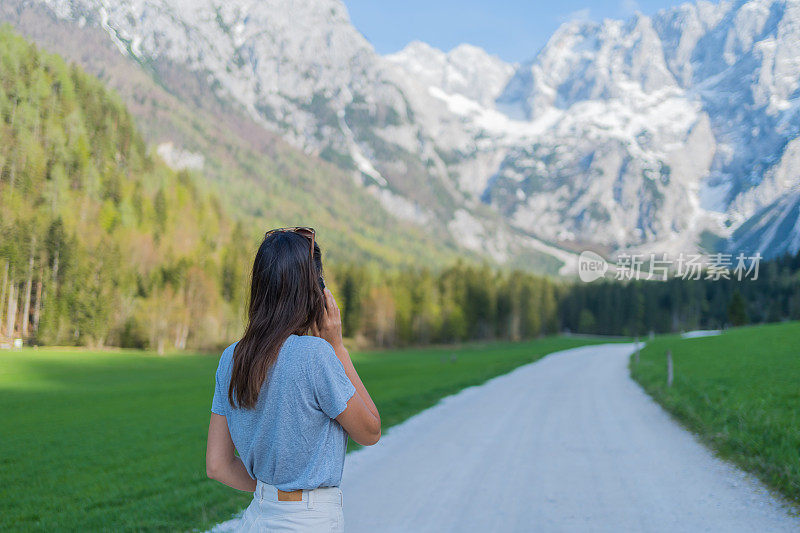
point(285, 298)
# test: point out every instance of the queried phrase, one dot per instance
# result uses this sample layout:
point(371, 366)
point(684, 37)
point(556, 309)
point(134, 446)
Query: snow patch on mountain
point(400, 206)
point(180, 159)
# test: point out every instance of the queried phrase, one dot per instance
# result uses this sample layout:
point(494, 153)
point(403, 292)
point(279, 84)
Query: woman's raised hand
point(331, 327)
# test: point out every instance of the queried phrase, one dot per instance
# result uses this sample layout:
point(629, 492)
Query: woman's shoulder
point(226, 359)
point(227, 353)
point(317, 345)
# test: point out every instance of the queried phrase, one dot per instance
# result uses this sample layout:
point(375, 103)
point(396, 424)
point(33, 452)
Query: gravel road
point(568, 443)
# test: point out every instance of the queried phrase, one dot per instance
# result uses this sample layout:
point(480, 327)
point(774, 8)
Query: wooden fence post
point(669, 368)
point(637, 351)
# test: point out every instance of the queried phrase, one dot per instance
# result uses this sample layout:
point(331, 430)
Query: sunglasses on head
point(306, 232)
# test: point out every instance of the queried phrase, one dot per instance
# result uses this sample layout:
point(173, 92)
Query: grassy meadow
point(115, 440)
point(740, 392)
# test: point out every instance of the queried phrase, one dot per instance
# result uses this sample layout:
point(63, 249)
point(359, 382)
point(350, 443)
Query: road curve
point(568, 443)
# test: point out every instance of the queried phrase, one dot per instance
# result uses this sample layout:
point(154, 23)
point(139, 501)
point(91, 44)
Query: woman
point(286, 400)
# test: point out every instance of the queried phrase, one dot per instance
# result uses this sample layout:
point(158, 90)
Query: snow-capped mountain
point(622, 147)
point(656, 128)
point(647, 132)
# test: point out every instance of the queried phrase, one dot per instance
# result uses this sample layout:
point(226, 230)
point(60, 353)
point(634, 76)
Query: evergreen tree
point(737, 315)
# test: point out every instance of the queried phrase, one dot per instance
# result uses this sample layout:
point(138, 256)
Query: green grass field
point(740, 392)
point(116, 440)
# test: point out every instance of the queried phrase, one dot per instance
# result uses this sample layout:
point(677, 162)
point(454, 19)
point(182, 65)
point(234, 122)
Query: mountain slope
point(259, 177)
point(774, 228)
point(300, 69)
point(342, 107)
point(644, 133)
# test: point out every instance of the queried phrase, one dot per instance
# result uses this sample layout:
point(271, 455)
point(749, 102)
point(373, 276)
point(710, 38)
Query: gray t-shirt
point(290, 439)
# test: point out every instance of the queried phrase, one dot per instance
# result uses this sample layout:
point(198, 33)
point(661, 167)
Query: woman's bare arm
point(360, 418)
point(222, 463)
point(350, 370)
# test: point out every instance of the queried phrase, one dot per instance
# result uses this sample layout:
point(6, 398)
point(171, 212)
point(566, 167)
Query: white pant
point(320, 510)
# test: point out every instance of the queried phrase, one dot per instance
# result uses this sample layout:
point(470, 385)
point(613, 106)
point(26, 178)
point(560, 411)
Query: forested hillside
point(101, 242)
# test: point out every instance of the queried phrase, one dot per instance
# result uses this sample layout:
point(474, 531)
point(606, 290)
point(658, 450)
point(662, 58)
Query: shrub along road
point(568, 443)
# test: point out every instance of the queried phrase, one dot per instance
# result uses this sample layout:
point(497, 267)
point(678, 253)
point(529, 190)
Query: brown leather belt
point(291, 496)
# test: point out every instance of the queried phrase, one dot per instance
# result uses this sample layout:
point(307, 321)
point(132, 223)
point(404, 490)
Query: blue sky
point(514, 30)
